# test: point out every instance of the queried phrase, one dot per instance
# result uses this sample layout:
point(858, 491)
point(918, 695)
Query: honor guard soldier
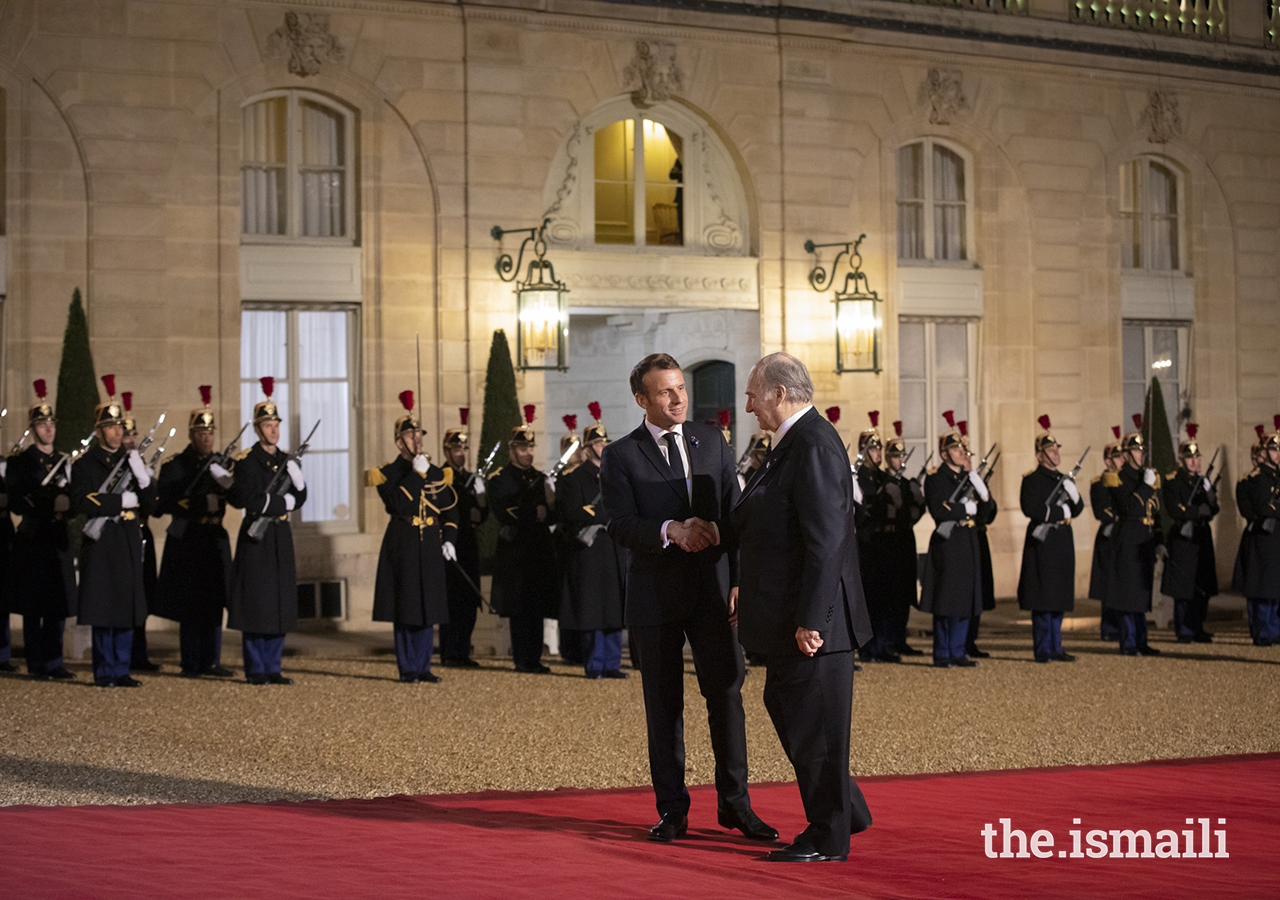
point(1245, 548)
point(1258, 566)
point(868, 482)
point(1100, 572)
point(1046, 585)
point(1190, 566)
point(464, 600)
point(1135, 498)
point(139, 659)
point(952, 581)
point(986, 515)
point(417, 548)
point(753, 458)
point(594, 565)
point(195, 574)
point(868, 477)
point(113, 488)
point(526, 585)
point(264, 580)
point(44, 578)
point(570, 638)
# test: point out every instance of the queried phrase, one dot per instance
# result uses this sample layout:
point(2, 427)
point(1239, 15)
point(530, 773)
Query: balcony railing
point(1206, 19)
point(1273, 24)
point(1013, 7)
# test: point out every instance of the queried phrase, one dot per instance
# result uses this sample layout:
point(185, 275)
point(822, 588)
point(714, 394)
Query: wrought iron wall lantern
point(859, 316)
point(542, 338)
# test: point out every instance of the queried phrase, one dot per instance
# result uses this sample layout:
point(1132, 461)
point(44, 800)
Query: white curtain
point(910, 202)
point(264, 156)
point(948, 208)
point(322, 171)
point(1163, 206)
point(324, 395)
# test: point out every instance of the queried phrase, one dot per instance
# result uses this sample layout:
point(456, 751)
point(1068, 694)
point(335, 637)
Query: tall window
point(310, 353)
point(296, 168)
point(639, 184)
point(933, 202)
point(1149, 212)
point(1155, 350)
point(713, 389)
point(934, 366)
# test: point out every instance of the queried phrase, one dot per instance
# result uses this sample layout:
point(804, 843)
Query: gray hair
point(782, 370)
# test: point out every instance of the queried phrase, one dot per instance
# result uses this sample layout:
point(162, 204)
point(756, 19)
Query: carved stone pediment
point(653, 75)
point(1161, 117)
point(305, 39)
point(943, 89)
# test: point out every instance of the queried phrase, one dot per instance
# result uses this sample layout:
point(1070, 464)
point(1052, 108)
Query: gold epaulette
point(448, 475)
point(933, 471)
point(374, 477)
point(495, 473)
point(1111, 479)
point(1171, 476)
point(242, 454)
point(569, 469)
point(1159, 482)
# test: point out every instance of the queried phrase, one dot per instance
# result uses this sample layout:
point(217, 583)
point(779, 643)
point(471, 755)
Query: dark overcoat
point(1258, 565)
point(593, 576)
point(195, 575)
point(887, 543)
point(987, 510)
point(470, 514)
point(6, 549)
point(951, 584)
point(1134, 542)
point(1191, 568)
point(410, 584)
point(264, 579)
point(44, 574)
point(526, 576)
point(112, 568)
point(1047, 582)
point(1103, 550)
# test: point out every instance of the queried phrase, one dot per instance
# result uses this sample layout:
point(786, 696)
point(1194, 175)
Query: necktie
point(673, 455)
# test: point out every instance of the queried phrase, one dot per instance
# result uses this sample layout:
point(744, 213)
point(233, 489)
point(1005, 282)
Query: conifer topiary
point(77, 383)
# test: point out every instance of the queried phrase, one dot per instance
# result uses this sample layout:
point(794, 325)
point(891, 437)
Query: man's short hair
point(782, 370)
point(647, 365)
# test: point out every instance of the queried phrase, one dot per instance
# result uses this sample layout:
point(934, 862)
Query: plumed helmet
point(40, 411)
point(202, 419)
point(111, 412)
point(408, 422)
point(266, 410)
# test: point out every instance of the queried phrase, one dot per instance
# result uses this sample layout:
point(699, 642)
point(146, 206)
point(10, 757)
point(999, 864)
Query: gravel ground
point(347, 729)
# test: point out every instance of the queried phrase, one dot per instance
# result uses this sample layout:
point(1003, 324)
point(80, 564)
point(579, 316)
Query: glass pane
point(262, 137)
point(1162, 189)
point(1128, 187)
point(1130, 242)
point(948, 175)
point(322, 136)
point(615, 183)
point(1134, 397)
point(910, 172)
point(322, 344)
point(663, 190)
point(953, 395)
point(327, 403)
point(263, 335)
point(911, 363)
point(251, 393)
point(328, 487)
point(911, 202)
point(948, 231)
point(1164, 353)
point(913, 409)
point(263, 155)
point(1135, 353)
point(263, 200)
point(323, 204)
point(951, 352)
point(911, 230)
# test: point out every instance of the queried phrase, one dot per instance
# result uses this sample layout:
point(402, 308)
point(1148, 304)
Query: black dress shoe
point(976, 653)
point(277, 678)
point(61, 674)
point(105, 682)
point(1064, 657)
point(536, 669)
point(670, 826)
point(216, 672)
point(145, 666)
point(964, 662)
point(126, 681)
point(1145, 650)
point(746, 821)
point(1044, 659)
point(256, 679)
point(942, 664)
point(1128, 651)
point(907, 650)
point(800, 853)
point(429, 677)
point(1202, 637)
point(411, 678)
point(614, 673)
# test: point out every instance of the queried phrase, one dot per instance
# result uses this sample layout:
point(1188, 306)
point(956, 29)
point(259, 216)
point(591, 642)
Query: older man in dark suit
point(667, 489)
point(802, 605)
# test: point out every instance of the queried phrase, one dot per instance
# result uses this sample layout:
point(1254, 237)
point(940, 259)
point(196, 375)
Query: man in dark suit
point(668, 488)
point(802, 602)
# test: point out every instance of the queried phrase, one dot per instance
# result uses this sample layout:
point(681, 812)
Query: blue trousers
point(1264, 621)
point(413, 648)
point(1133, 630)
point(1046, 634)
point(200, 646)
point(526, 640)
point(1109, 630)
point(6, 639)
point(112, 653)
point(949, 634)
point(42, 636)
point(1189, 616)
point(601, 651)
point(262, 653)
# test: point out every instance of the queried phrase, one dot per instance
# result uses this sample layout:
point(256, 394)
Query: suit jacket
point(795, 531)
point(640, 493)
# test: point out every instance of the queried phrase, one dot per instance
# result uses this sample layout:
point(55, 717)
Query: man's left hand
point(808, 641)
point(733, 606)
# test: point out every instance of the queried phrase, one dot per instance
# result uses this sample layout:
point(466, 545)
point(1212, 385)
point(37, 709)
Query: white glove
point(970, 507)
point(221, 475)
point(1208, 485)
point(4, 467)
point(128, 500)
point(61, 503)
point(295, 475)
point(419, 464)
point(479, 486)
point(1066, 512)
point(979, 485)
point(551, 483)
point(141, 473)
point(1149, 476)
point(290, 502)
point(211, 502)
point(857, 492)
point(1070, 487)
point(449, 551)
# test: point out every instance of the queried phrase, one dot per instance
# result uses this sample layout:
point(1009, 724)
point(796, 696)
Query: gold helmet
point(760, 442)
point(523, 435)
point(128, 421)
point(1272, 440)
point(596, 432)
point(40, 411)
point(458, 437)
point(1133, 440)
point(870, 437)
point(570, 437)
point(407, 422)
point(266, 410)
point(1190, 448)
point(109, 413)
point(897, 446)
point(202, 419)
point(956, 437)
point(1046, 440)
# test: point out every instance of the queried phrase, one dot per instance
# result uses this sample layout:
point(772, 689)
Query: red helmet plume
point(464, 413)
point(594, 408)
point(406, 400)
point(1137, 421)
point(1115, 429)
point(109, 382)
point(833, 413)
point(206, 394)
point(268, 385)
point(874, 416)
point(897, 427)
point(1261, 430)
point(529, 409)
point(950, 416)
point(723, 416)
point(571, 422)
point(1192, 428)
point(127, 399)
point(42, 389)
point(1044, 422)
point(963, 427)
point(1276, 421)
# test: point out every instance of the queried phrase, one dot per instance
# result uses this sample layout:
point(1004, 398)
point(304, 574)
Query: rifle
point(118, 481)
point(1188, 527)
point(155, 457)
point(991, 469)
point(22, 440)
point(564, 459)
point(258, 527)
point(483, 471)
point(743, 461)
point(215, 457)
point(924, 470)
point(1041, 531)
point(961, 494)
point(67, 459)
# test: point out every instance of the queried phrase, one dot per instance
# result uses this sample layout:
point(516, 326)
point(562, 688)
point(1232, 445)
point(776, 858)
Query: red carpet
point(926, 842)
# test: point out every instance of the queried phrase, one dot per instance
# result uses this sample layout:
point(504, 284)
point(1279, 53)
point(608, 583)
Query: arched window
point(934, 202)
point(296, 165)
point(639, 184)
point(1150, 210)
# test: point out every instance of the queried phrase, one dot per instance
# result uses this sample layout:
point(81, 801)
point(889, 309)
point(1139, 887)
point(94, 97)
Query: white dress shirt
point(786, 426)
point(660, 439)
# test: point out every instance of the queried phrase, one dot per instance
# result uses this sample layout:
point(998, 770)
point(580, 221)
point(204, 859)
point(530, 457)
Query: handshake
point(693, 535)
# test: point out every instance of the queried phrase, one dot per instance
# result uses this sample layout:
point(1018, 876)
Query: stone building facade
point(1057, 196)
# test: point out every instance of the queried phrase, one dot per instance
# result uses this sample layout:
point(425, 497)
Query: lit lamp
point(542, 338)
point(859, 319)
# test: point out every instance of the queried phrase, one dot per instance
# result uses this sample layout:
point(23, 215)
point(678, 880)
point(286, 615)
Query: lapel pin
point(693, 441)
